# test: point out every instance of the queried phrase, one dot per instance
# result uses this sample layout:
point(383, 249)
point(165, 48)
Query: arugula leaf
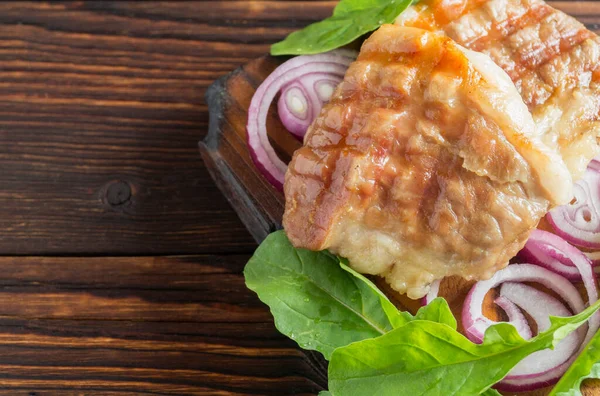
point(313, 300)
point(587, 365)
point(491, 392)
point(428, 358)
point(347, 6)
point(320, 302)
point(395, 317)
point(350, 20)
point(437, 311)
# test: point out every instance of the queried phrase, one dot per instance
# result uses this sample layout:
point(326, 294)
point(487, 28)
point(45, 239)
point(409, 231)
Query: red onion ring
point(540, 306)
point(515, 316)
point(579, 221)
point(595, 164)
point(528, 384)
point(554, 253)
point(473, 320)
point(262, 153)
point(294, 110)
point(301, 101)
point(533, 381)
point(588, 277)
point(545, 367)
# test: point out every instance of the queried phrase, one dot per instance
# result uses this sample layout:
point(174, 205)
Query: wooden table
point(120, 267)
point(120, 262)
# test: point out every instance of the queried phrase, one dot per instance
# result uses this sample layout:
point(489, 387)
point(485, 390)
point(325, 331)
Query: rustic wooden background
point(120, 262)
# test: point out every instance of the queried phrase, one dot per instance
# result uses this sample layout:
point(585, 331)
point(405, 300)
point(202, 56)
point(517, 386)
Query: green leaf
point(428, 358)
point(313, 300)
point(491, 392)
point(325, 393)
point(348, 6)
point(395, 317)
point(320, 302)
point(587, 365)
point(437, 311)
point(350, 20)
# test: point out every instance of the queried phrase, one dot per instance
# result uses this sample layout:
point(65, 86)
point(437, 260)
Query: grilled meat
point(551, 58)
point(425, 163)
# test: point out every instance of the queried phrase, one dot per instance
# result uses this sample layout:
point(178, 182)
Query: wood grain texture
point(260, 206)
point(101, 108)
point(167, 325)
point(91, 96)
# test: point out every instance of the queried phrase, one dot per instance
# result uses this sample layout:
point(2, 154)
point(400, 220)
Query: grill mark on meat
point(413, 170)
point(505, 34)
point(500, 30)
point(500, 34)
point(531, 64)
point(560, 71)
point(547, 50)
point(551, 58)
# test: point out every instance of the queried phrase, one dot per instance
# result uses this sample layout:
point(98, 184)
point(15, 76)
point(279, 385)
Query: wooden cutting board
point(260, 206)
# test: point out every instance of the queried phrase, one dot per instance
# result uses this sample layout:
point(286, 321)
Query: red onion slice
point(540, 306)
point(544, 367)
point(579, 221)
point(554, 253)
point(473, 320)
point(301, 101)
point(294, 109)
point(520, 383)
point(515, 316)
point(595, 164)
point(525, 384)
point(514, 383)
point(589, 281)
point(586, 275)
point(261, 151)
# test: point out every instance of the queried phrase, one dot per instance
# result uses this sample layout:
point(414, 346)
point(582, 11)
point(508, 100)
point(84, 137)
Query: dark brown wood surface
point(261, 206)
point(120, 261)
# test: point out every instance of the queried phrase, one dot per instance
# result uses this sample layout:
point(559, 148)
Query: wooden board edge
point(230, 186)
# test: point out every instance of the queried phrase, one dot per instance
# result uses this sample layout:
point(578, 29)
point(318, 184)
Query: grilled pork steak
point(425, 163)
point(551, 57)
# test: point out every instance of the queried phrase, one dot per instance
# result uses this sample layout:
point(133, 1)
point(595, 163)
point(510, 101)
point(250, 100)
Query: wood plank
point(168, 325)
point(100, 121)
point(163, 272)
point(199, 289)
point(116, 90)
point(261, 206)
point(102, 106)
